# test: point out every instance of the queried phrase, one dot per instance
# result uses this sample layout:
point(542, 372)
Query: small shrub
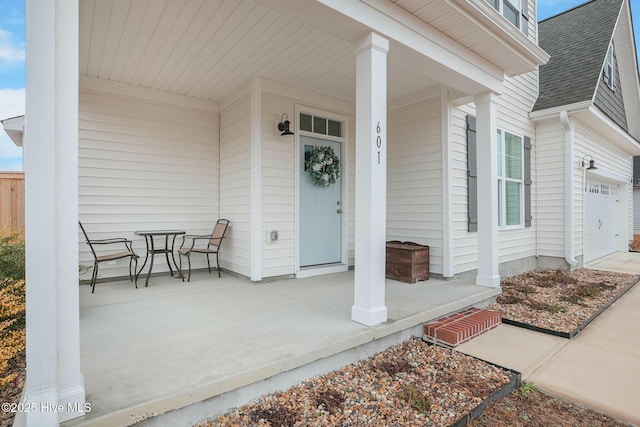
point(572, 299)
point(551, 278)
point(546, 284)
point(543, 306)
point(508, 405)
point(525, 416)
point(330, 400)
point(276, 416)
point(560, 276)
point(393, 367)
point(11, 256)
point(527, 388)
point(525, 289)
point(591, 290)
point(415, 399)
point(12, 332)
point(508, 299)
point(588, 291)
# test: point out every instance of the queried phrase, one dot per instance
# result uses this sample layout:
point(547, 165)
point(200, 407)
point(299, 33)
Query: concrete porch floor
point(152, 350)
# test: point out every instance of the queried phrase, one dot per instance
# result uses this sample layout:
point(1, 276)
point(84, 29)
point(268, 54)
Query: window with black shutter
point(514, 178)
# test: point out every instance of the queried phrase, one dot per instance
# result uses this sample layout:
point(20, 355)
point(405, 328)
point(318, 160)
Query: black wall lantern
point(592, 163)
point(283, 126)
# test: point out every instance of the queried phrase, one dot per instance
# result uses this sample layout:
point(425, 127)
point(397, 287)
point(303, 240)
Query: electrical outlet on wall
point(271, 236)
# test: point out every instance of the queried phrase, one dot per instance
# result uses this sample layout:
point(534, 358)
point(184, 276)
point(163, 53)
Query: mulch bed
point(527, 407)
point(410, 384)
point(558, 302)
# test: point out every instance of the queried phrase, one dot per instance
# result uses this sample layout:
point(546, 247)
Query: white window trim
point(518, 8)
point(609, 62)
point(502, 180)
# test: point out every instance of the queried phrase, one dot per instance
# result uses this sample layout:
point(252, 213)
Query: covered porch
point(163, 116)
point(215, 343)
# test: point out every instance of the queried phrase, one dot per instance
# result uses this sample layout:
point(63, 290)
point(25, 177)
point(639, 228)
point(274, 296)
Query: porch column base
point(369, 317)
point(73, 402)
point(488, 281)
point(39, 398)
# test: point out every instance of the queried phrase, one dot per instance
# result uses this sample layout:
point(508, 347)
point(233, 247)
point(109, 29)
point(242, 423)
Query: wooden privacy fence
point(12, 201)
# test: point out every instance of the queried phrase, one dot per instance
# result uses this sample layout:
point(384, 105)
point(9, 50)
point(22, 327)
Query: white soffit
point(480, 28)
point(206, 49)
point(14, 127)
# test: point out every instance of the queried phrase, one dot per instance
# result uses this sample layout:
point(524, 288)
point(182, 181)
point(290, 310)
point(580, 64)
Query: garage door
point(601, 215)
point(636, 208)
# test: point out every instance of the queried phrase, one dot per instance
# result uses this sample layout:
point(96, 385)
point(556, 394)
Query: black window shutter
point(527, 181)
point(472, 175)
point(525, 17)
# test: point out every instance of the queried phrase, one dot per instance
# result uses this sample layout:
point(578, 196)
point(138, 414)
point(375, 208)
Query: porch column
point(256, 178)
point(487, 151)
point(51, 214)
point(371, 180)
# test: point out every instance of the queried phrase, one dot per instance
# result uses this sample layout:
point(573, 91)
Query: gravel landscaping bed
point(410, 384)
point(557, 301)
point(527, 407)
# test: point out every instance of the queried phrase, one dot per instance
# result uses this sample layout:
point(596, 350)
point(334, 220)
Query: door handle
point(339, 211)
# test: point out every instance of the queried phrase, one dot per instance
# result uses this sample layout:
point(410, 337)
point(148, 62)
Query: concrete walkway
point(599, 368)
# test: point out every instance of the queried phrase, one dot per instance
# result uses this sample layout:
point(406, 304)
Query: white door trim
point(343, 265)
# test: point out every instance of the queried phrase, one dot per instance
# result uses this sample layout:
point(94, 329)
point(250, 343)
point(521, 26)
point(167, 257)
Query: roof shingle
point(577, 41)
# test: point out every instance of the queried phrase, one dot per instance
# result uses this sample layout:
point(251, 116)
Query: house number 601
point(378, 140)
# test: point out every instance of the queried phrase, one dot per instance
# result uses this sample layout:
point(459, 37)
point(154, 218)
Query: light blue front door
point(320, 211)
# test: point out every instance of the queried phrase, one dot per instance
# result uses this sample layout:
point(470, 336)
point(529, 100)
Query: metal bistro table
point(151, 249)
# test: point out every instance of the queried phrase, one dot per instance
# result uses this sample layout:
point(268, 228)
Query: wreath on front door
point(323, 166)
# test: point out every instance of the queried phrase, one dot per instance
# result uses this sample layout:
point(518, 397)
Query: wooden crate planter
point(407, 261)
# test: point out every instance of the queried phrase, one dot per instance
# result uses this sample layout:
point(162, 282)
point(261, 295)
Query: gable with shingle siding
point(577, 41)
point(610, 100)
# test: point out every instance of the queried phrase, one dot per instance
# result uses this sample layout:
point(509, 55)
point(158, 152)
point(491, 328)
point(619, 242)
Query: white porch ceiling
point(207, 48)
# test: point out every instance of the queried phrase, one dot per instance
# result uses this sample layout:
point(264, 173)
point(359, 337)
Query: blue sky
point(12, 64)
point(11, 77)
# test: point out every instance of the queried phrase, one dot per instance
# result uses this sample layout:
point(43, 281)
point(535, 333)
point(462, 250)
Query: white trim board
point(102, 85)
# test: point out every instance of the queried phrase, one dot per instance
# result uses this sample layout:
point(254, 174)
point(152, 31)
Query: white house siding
point(550, 144)
point(609, 158)
point(414, 178)
point(514, 104)
point(278, 189)
point(144, 165)
point(235, 182)
point(465, 244)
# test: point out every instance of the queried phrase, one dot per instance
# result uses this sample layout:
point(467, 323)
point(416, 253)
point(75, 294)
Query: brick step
point(461, 327)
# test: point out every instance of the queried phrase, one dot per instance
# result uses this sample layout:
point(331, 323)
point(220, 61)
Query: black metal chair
point(127, 252)
point(214, 241)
